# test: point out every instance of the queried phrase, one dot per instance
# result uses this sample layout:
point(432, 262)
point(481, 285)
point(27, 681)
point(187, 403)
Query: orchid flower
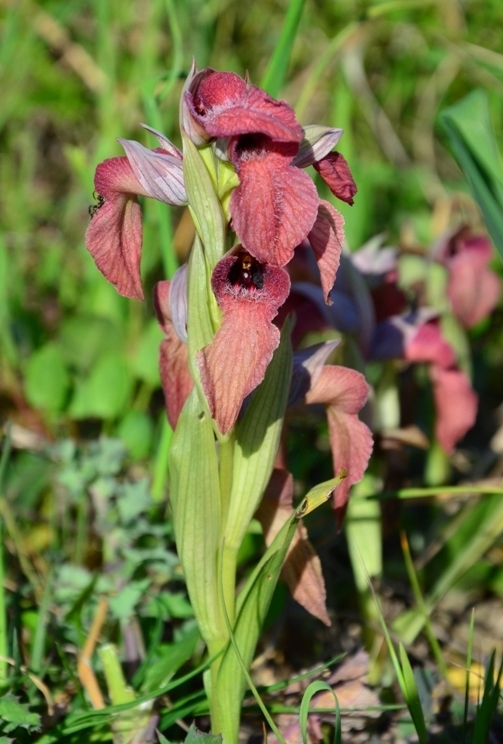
point(226, 361)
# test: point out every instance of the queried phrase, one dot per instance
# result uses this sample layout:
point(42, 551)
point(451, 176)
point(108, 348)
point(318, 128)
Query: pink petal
point(225, 106)
point(274, 207)
point(326, 238)
point(114, 236)
point(236, 360)
point(429, 345)
point(456, 405)
point(335, 172)
point(344, 392)
point(302, 567)
point(173, 357)
point(473, 289)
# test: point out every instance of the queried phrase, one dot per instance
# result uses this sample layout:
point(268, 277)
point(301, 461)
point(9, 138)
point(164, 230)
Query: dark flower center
point(247, 272)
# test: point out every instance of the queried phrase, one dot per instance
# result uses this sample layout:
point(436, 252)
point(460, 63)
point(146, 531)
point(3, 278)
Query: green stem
point(226, 469)
point(228, 574)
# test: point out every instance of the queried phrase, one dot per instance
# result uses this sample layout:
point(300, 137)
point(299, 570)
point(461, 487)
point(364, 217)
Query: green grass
point(78, 363)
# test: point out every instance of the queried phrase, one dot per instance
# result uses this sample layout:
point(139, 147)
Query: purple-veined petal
point(166, 144)
point(318, 141)
point(160, 175)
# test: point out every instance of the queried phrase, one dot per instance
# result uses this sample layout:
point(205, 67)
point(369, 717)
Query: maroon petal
point(326, 238)
point(249, 295)
point(302, 567)
point(344, 392)
point(274, 207)
point(173, 357)
point(114, 236)
point(456, 405)
point(225, 106)
point(335, 172)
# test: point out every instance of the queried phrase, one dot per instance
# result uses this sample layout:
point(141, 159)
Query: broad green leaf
point(468, 126)
point(195, 500)
point(252, 606)
point(203, 203)
point(253, 603)
point(257, 441)
point(47, 379)
point(106, 391)
point(200, 321)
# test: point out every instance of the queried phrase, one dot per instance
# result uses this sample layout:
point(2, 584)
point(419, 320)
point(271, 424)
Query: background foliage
point(78, 363)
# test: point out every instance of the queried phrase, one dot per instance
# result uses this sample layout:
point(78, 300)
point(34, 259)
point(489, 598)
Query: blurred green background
point(74, 76)
point(78, 361)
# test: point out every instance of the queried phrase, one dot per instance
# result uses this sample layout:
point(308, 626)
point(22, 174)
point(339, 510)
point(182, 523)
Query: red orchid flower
point(343, 392)
point(417, 337)
point(473, 289)
point(275, 206)
point(114, 236)
point(234, 363)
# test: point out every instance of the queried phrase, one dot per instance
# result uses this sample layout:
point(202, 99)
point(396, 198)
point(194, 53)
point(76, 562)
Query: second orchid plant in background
point(227, 364)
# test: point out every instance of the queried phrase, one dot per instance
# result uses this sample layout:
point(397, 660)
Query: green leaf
point(168, 660)
point(14, 713)
point(252, 606)
point(257, 442)
point(47, 379)
point(468, 127)
point(123, 604)
point(203, 202)
point(200, 323)
point(198, 737)
point(313, 689)
point(195, 500)
point(277, 68)
point(412, 696)
point(105, 393)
